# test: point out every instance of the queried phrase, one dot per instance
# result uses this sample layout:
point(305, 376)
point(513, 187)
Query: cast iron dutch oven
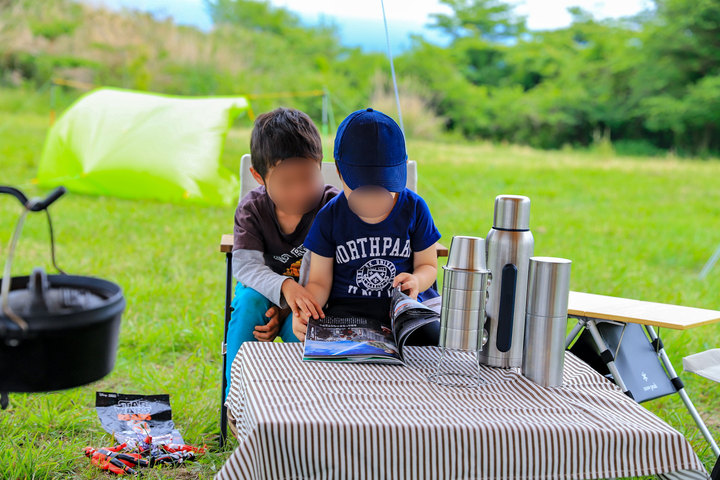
point(56, 331)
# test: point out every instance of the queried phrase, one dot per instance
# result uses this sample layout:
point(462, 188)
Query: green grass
point(638, 228)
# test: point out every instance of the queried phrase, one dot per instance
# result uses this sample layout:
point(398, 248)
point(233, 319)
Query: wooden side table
point(590, 310)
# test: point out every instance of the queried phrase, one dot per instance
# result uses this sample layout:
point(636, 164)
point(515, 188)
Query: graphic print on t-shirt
point(293, 270)
point(295, 257)
point(375, 276)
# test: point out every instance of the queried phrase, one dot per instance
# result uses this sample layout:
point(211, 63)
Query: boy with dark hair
point(271, 223)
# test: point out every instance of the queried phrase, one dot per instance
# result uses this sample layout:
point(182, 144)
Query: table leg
point(606, 355)
point(228, 311)
point(574, 333)
point(660, 349)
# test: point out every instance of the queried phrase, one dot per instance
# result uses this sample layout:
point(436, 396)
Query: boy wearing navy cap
point(375, 235)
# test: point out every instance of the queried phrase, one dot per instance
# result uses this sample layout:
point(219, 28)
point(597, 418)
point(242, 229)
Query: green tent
point(140, 145)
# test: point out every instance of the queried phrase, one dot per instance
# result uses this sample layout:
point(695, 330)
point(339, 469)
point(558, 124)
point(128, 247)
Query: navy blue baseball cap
point(370, 150)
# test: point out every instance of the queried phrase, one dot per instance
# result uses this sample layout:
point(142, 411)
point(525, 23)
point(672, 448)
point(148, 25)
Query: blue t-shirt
point(369, 256)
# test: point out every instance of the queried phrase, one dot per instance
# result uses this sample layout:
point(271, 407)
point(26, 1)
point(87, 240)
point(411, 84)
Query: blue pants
point(249, 309)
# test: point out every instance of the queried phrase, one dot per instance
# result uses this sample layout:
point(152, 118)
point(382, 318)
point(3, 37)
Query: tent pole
point(325, 114)
point(392, 68)
point(331, 114)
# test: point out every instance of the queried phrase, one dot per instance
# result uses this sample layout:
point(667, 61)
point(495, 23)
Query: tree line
point(645, 84)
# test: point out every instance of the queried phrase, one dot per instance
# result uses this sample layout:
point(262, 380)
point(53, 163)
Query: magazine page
point(350, 339)
point(434, 304)
point(412, 318)
point(402, 303)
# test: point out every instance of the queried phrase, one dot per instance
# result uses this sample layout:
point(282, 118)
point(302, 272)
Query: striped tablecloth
point(327, 420)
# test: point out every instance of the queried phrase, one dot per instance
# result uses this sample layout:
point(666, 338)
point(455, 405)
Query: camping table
point(300, 419)
point(589, 309)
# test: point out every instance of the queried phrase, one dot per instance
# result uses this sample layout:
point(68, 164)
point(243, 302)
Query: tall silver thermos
point(509, 246)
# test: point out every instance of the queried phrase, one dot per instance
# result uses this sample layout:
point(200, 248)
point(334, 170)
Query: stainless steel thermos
point(465, 281)
point(462, 315)
point(509, 246)
point(547, 308)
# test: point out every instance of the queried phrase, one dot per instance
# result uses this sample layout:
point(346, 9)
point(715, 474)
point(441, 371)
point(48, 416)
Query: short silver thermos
point(462, 316)
point(465, 282)
point(546, 320)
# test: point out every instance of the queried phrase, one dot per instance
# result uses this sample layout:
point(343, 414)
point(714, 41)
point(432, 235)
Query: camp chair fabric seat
point(706, 364)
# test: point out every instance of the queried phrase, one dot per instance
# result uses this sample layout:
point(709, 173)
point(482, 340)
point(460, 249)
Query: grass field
point(638, 228)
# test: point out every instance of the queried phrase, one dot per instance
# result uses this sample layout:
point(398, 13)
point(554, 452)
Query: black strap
point(657, 344)
point(677, 383)
point(607, 356)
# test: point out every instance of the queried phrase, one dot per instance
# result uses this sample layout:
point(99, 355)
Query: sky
point(360, 22)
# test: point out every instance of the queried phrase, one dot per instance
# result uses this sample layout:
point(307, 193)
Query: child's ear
point(258, 178)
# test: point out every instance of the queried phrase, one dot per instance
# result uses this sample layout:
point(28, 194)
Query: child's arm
point(249, 268)
point(301, 300)
point(319, 285)
point(424, 273)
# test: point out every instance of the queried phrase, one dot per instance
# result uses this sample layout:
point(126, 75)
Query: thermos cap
point(512, 212)
point(548, 286)
point(467, 253)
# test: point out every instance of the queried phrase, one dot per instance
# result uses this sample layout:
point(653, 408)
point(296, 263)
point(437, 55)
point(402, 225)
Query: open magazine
point(370, 340)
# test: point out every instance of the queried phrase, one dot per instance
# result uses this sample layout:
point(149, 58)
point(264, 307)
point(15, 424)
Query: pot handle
point(31, 205)
point(50, 199)
point(34, 205)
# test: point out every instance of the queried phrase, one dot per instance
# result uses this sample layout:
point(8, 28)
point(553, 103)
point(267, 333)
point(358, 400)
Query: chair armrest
point(442, 250)
point(226, 243)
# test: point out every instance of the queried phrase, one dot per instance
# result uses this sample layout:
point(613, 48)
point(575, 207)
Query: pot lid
point(42, 299)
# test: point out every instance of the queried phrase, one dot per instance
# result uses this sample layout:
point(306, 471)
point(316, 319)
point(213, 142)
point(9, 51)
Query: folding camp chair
point(247, 183)
point(707, 365)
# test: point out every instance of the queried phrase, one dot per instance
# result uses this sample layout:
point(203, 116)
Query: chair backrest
point(329, 172)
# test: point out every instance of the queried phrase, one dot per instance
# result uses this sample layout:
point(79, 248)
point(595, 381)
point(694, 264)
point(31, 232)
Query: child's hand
point(268, 332)
point(301, 301)
point(299, 324)
point(409, 284)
